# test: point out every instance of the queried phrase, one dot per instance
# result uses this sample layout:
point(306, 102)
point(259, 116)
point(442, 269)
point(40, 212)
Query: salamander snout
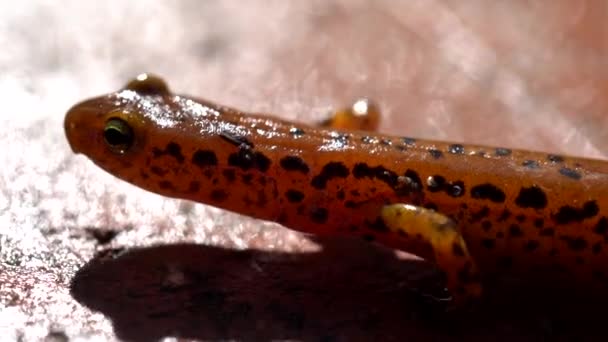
point(74, 124)
point(87, 127)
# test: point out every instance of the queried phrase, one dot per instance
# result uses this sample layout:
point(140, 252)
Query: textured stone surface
point(84, 256)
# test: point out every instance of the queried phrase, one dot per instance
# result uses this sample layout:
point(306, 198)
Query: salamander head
point(114, 126)
point(121, 132)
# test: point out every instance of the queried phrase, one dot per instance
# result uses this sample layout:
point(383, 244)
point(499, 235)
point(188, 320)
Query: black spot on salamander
point(456, 189)
point(236, 140)
point(408, 141)
point(601, 228)
point(504, 215)
point(362, 170)
point(567, 214)
point(515, 231)
point(576, 244)
point(488, 243)
point(413, 180)
point(377, 226)
point(456, 149)
point(247, 178)
point(531, 245)
point(165, 185)
point(502, 152)
point(435, 183)
point(143, 174)
point(175, 151)
point(547, 232)
point(500, 235)
point(204, 158)
point(158, 171)
point(218, 195)
point(319, 215)
point(520, 218)
point(596, 248)
point(435, 153)
point(296, 132)
point(229, 174)
point(330, 170)
point(350, 204)
point(340, 195)
point(172, 149)
point(530, 164)
point(438, 183)
point(368, 237)
point(488, 191)
point(554, 158)
point(194, 187)
point(294, 196)
point(531, 197)
point(247, 159)
point(402, 234)
point(208, 173)
point(355, 193)
point(570, 173)
point(294, 163)
point(431, 206)
point(539, 222)
point(486, 225)
point(478, 216)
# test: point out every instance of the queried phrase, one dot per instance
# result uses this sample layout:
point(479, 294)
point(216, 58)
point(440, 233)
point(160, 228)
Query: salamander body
point(473, 210)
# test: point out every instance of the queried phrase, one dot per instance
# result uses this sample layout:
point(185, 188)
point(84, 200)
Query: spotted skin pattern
point(472, 210)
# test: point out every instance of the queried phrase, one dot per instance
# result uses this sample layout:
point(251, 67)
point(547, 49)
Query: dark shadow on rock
point(348, 291)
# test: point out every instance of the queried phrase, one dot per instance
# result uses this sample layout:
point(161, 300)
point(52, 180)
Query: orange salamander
point(470, 210)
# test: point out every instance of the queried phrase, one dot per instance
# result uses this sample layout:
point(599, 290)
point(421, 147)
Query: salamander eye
point(148, 84)
point(118, 135)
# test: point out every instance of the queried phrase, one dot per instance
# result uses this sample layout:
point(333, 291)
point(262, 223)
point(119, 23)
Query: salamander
point(470, 210)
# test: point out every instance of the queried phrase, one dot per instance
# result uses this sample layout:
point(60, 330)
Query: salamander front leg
point(363, 115)
point(449, 248)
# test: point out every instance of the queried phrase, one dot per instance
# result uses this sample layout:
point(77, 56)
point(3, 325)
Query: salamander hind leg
point(448, 247)
point(362, 115)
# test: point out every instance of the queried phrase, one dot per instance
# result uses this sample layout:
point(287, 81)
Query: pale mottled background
point(528, 74)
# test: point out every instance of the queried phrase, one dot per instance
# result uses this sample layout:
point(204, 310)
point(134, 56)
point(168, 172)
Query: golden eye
point(118, 135)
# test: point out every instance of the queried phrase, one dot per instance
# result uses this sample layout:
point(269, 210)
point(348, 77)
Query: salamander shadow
point(349, 290)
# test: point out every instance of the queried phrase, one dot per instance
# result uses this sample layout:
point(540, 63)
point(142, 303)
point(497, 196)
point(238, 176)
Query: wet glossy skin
point(512, 211)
